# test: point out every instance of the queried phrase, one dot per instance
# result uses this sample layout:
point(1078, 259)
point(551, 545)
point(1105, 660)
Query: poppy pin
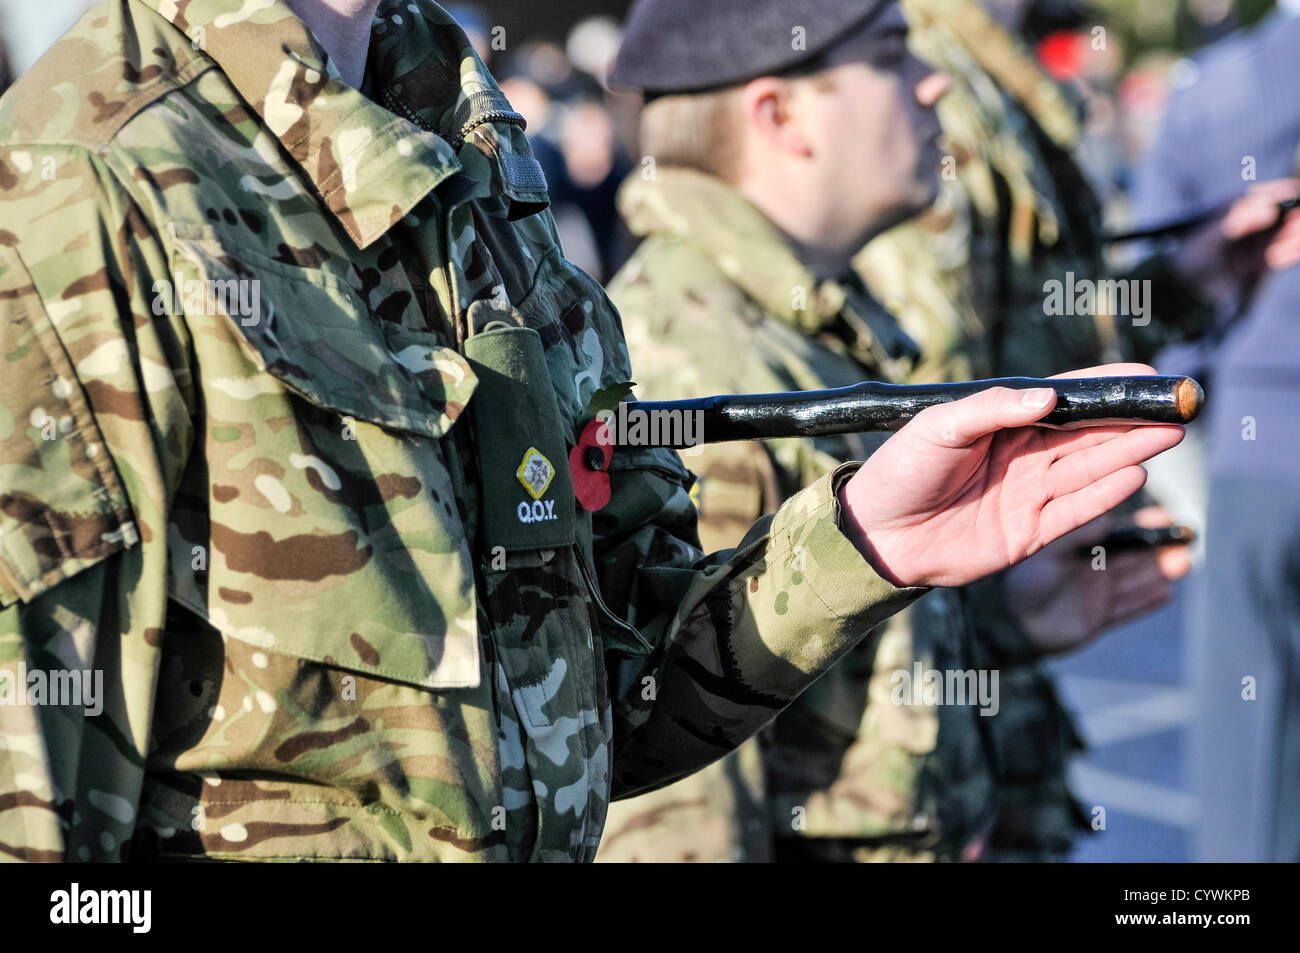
point(589, 461)
point(589, 465)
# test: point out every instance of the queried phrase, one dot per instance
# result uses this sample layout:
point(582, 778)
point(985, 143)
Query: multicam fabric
point(239, 472)
point(714, 301)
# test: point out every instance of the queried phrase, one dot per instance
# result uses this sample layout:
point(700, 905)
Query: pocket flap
point(62, 505)
point(314, 333)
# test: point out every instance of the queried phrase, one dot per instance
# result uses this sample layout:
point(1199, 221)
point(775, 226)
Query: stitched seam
point(35, 319)
point(81, 412)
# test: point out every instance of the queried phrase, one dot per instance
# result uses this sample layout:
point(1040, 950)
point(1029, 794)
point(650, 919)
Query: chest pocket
point(322, 505)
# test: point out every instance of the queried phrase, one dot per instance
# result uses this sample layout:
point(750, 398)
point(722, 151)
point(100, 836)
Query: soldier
point(293, 367)
point(758, 188)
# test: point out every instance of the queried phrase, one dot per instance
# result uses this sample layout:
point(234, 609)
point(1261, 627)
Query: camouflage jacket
point(244, 475)
point(714, 301)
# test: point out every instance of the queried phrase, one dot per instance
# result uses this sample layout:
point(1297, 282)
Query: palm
point(945, 502)
point(990, 493)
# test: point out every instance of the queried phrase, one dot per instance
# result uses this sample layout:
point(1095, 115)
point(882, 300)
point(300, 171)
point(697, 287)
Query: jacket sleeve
point(94, 397)
point(737, 635)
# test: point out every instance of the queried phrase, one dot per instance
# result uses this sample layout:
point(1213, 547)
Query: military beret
point(677, 46)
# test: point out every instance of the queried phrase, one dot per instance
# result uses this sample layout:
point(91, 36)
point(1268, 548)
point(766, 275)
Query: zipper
point(395, 105)
point(496, 115)
point(637, 646)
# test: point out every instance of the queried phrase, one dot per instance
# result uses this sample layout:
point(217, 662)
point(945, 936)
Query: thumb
point(962, 422)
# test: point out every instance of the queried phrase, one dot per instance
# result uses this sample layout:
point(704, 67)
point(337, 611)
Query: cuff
point(820, 593)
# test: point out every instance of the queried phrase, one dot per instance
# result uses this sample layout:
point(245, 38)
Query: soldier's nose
point(933, 88)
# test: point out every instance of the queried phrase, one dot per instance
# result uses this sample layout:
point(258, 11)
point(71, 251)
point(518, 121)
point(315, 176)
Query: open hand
point(969, 488)
point(1064, 597)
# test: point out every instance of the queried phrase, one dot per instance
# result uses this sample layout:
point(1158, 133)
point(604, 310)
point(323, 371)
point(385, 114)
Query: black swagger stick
point(870, 406)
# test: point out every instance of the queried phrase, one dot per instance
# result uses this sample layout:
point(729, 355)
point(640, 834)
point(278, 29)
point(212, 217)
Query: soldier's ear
point(770, 109)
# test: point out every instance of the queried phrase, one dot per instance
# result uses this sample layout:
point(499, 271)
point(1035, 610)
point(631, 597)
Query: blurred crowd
point(585, 133)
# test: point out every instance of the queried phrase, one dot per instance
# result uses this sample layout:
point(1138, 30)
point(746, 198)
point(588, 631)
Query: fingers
point(1249, 214)
point(1153, 517)
point(1133, 588)
point(1091, 533)
point(1134, 570)
point(1139, 602)
point(1257, 209)
point(1110, 370)
point(1276, 190)
point(1284, 250)
point(1065, 442)
point(1173, 561)
point(1067, 513)
point(1077, 470)
point(962, 422)
point(1142, 587)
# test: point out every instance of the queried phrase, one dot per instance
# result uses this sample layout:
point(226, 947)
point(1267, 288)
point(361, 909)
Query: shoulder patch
point(535, 473)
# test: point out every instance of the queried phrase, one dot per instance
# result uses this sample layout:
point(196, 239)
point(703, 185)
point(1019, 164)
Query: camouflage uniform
point(268, 527)
point(966, 280)
point(714, 301)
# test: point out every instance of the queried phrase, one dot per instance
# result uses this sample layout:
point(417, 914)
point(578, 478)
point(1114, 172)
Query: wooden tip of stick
point(1189, 398)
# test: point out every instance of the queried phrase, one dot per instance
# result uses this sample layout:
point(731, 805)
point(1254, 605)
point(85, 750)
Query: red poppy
point(589, 465)
point(1062, 54)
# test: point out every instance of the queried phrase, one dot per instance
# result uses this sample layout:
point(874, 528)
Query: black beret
point(677, 46)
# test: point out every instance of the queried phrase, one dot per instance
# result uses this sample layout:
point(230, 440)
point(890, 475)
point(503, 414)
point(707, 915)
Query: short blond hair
point(702, 131)
point(695, 130)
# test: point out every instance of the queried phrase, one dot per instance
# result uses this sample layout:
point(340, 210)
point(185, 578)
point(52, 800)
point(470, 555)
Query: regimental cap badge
point(535, 473)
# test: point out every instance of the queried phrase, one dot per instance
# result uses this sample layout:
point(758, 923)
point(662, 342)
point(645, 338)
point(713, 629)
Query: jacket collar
point(371, 162)
point(722, 225)
point(736, 237)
